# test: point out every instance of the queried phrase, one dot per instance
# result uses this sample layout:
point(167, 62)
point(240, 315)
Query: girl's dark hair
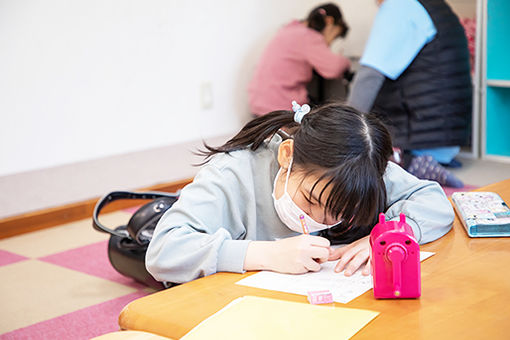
point(316, 18)
point(346, 148)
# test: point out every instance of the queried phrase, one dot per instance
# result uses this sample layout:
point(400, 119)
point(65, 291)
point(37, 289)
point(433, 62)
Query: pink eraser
point(320, 296)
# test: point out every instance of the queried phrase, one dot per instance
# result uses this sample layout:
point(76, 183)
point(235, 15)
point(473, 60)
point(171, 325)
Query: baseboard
point(51, 217)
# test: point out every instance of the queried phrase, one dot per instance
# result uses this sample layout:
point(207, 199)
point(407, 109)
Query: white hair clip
point(299, 111)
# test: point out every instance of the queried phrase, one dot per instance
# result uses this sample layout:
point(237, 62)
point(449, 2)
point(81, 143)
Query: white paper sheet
point(343, 288)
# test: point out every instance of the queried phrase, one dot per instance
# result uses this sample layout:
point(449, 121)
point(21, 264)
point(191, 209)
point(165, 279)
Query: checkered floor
point(58, 283)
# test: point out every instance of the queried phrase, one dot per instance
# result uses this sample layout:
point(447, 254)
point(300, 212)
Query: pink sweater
point(287, 65)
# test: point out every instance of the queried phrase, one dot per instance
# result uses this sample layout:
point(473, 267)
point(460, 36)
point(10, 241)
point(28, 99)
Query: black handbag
point(128, 244)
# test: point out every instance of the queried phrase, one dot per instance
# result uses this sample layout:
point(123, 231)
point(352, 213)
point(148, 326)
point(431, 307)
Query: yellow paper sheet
point(252, 317)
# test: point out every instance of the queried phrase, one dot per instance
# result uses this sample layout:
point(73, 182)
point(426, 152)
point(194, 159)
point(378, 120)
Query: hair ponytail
point(253, 134)
point(317, 17)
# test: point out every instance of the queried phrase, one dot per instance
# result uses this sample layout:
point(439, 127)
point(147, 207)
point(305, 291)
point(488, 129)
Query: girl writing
point(327, 168)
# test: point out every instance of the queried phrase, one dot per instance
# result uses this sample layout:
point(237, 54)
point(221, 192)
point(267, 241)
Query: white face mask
point(290, 213)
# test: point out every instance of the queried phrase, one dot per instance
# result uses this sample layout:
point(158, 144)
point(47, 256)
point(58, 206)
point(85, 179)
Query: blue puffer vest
point(430, 104)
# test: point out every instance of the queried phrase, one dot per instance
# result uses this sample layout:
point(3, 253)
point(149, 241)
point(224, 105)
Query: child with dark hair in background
point(286, 187)
point(288, 63)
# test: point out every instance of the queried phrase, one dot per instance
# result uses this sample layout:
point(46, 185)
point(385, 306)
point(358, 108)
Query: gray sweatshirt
point(229, 204)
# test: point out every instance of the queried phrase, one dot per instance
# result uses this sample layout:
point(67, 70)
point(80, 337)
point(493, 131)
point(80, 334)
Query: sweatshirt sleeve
point(202, 233)
point(328, 64)
point(424, 204)
point(365, 88)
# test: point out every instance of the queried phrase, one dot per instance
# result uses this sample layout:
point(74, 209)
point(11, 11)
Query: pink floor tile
point(82, 324)
point(8, 258)
point(449, 191)
point(132, 209)
point(93, 260)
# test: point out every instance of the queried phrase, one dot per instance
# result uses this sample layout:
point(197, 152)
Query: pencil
point(303, 224)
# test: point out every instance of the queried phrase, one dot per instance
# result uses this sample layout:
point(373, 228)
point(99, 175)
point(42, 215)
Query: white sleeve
point(424, 203)
point(202, 233)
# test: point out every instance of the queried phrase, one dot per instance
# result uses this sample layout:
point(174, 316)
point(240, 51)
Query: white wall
point(463, 8)
point(359, 15)
point(87, 79)
point(84, 82)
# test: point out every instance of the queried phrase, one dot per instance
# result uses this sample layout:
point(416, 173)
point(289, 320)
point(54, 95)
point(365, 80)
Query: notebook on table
point(253, 317)
point(483, 214)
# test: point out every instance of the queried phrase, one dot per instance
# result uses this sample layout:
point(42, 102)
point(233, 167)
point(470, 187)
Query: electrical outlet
point(206, 95)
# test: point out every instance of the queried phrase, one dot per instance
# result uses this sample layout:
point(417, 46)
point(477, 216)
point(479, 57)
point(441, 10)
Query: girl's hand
point(352, 257)
point(293, 255)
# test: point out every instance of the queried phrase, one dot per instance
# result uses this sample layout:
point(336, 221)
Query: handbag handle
point(118, 195)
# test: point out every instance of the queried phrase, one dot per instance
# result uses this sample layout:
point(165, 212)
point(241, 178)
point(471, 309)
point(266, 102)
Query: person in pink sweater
point(288, 62)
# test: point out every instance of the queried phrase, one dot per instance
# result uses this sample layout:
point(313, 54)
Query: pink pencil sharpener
point(395, 260)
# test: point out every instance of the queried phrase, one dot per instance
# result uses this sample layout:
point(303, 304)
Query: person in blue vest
point(415, 74)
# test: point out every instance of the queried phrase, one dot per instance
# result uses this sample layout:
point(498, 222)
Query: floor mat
point(58, 283)
point(449, 191)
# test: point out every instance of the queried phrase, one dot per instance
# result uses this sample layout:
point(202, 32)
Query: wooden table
point(465, 295)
